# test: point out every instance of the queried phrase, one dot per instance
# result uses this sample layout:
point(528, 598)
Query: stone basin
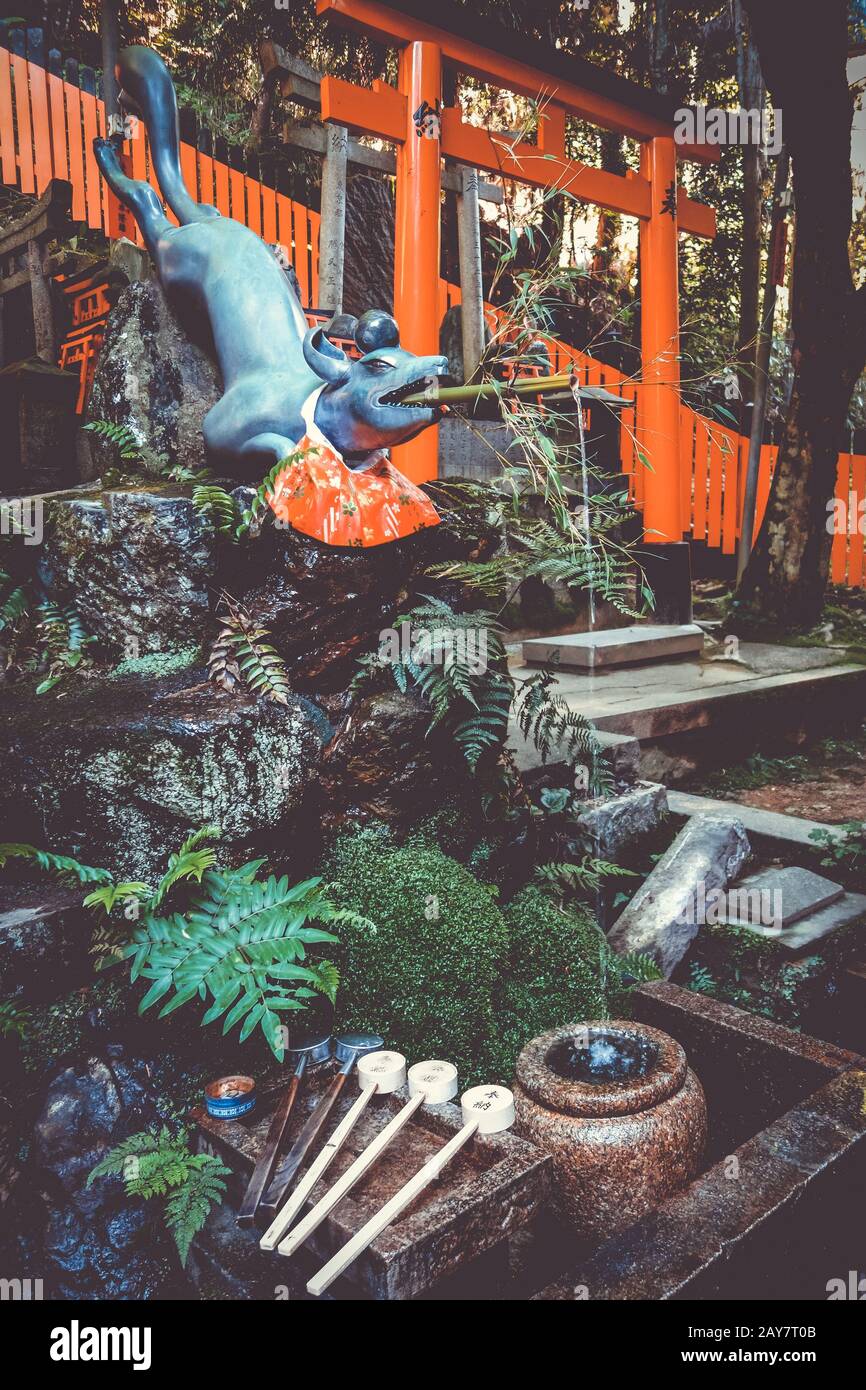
point(773, 1213)
point(621, 1113)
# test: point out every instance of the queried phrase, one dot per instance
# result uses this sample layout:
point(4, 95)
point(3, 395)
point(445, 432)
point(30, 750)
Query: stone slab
point(801, 893)
point(591, 651)
point(608, 825)
point(772, 825)
point(662, 919)
point(805, 935)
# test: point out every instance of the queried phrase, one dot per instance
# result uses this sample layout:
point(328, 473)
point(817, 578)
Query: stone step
point(592, 651)
point(771, 825)
point(789, 894)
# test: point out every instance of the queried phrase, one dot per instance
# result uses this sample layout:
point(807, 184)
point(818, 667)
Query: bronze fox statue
point(278, 375)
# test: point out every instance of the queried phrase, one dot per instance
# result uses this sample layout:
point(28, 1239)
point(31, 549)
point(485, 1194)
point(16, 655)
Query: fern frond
point(587, 876)
point(637, 968)
point(121, 436)
point(62, 865)
point(218, 508)
point(159, 1164)
point(240, 653)
point(14, 1019)
point(14, 607)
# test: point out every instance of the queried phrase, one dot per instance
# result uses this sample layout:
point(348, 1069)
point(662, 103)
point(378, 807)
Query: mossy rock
point(556, 974)
point(447, 972)
point(426, 979)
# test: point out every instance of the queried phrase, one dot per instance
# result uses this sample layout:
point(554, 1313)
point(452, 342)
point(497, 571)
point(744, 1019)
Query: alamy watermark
point(22, 516)
point(847, 518)
point(759, 908)
point(439, 646)
point(702, 125)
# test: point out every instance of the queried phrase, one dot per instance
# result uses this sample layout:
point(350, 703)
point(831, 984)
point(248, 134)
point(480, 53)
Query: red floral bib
point(319, 496)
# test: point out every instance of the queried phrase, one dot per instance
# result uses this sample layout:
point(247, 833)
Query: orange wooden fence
point(47, 128)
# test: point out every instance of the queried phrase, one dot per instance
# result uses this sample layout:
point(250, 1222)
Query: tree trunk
point(752, 93)
point(803, 62)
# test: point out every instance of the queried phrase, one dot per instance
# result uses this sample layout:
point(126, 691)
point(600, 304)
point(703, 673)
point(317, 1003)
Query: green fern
point(240, 653)
point(585, 877)
point(63, 866)
point(190, 862)
point(13, 607)
point(238, 944)
point(61, 627)
point(218, 508)
point(121, 436)
point(635, 968)
point(158, 1164)
point(466, 687)
point(14, 1019)
point(544, 717)
point(246, 951)
point(486, 728)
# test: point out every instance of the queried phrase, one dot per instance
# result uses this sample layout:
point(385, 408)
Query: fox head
point(362, 406)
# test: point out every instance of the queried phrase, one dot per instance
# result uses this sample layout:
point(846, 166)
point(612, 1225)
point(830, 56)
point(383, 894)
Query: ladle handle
point(308, 1135)
point(319, 1166)
point(268, 1157)
point(352, 1175)
point(379, 1222)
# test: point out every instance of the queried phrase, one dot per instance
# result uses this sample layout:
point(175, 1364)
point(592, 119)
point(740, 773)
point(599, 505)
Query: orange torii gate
point(411, 115)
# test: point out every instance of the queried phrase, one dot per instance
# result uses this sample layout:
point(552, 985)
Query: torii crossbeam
point(412, 116)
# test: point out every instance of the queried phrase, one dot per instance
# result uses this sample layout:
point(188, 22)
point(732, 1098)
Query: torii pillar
point(417, 239)
point(660, 336)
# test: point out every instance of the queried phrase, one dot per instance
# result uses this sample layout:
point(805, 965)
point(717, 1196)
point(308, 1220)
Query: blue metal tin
point(230, 1097)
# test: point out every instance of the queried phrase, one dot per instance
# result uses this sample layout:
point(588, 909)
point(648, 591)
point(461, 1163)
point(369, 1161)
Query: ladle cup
point(430, 1083)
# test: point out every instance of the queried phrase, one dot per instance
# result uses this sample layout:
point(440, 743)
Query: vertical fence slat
point(236, 189)
point(284, 225)
point(730, 491)
point(687, 465)
point(252, 189)
point(714, 515)
point(314, 222)
point(269, 214)
point(7, 128)
point(298, 250)
point(92, 178)
point(189, 169)
point(221, 187)
point(205, 179)
point(41, 126)
point(839, 549)
point(701, 473)
point(59, 151)
point(27, 174)
point(76, 151)
point(856, 571)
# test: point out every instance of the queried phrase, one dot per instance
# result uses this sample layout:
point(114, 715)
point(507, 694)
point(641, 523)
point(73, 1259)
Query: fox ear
point(325, 358)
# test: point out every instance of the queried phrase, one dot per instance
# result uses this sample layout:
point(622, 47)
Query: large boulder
point(44, 934)
point(118, 772)
point(152, 378)
point(382, 765)
point(664, 916)
point(326, 605)
point(138, 563)
point(97, 1243)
